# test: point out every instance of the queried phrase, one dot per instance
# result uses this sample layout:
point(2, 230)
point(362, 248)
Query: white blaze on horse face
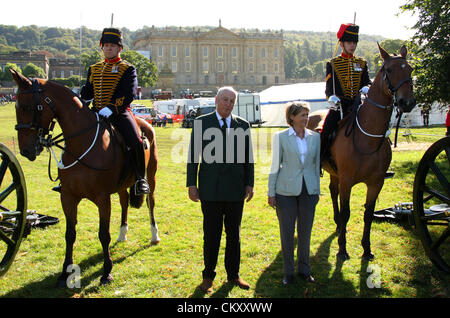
point(403, 66)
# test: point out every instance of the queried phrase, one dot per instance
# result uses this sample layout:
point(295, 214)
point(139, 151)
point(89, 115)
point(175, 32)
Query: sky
point(374, 17)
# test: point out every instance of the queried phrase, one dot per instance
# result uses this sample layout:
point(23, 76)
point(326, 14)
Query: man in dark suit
point(225, 179)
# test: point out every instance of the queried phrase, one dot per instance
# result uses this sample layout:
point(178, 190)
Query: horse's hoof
point(368, 257)
point(343, 256)
point(155, 242)
point(106, 280)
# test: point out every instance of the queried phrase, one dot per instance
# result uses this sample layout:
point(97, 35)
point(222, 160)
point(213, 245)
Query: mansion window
point(174, 51)
point(250, 52)
point(219, 52)
point(205, 52)
point(188, 51)
point(235, 67)
point(160, 51)
point(234, 52)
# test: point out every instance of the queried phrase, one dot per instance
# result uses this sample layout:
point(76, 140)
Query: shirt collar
point(114, 60)
point(346, 56)
point(292, 132)
point(228, 119)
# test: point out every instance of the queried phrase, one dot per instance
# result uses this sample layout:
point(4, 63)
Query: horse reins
point(393, 93)
point(45, 134)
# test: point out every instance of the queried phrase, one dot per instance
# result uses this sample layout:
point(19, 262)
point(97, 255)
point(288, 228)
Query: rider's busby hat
point(348, 32)
point(111, 35)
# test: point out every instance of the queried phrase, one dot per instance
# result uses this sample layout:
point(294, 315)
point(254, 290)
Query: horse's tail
point(136, 200)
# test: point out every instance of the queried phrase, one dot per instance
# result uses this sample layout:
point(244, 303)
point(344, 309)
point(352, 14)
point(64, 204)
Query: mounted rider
point(346, 76)
point(112, 85)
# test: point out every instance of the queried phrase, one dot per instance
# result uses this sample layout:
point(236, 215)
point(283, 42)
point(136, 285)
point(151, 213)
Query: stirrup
point(57, 188)
point(141, 187)
point(389, 174)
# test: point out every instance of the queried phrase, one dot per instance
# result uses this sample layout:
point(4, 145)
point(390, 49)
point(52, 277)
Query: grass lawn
point(173, 268)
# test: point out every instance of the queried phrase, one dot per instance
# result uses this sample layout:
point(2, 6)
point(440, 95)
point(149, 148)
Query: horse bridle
point(37, 109)
point(45, 138)
point(392, 90)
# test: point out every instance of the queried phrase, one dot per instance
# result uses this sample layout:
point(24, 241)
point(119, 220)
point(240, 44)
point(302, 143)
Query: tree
point(430, 48)
point(146, 70)
point(290, 62)
point(31, 70)
point(90, 58)
point(7, 74)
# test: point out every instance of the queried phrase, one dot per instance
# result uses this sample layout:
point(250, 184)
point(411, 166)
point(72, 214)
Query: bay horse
point(361, 152)
point(94, 164)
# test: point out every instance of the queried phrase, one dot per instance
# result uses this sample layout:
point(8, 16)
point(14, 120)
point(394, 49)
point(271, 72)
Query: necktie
point(224, 131)
point(224, 126)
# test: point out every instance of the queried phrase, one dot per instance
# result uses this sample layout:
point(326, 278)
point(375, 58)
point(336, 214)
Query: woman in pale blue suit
point(294, 188)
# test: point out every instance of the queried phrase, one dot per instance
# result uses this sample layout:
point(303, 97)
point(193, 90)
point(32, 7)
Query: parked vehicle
point(188, 120)
point(152, 116)
point(248, 107)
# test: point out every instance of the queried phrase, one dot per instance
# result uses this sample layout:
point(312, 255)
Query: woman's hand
point(272, 201)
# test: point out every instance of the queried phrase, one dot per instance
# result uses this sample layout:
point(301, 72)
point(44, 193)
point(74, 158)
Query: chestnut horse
point(361, 151)
point(94, 164)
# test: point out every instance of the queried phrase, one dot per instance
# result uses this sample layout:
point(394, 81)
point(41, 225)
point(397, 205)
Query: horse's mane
point(62, 87)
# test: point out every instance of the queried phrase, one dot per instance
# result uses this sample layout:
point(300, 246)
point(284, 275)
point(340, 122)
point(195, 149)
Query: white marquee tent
point(273, 100)
point(273, 103)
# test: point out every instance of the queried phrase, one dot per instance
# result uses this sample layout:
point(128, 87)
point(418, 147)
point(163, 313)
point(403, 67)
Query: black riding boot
point(141, 186)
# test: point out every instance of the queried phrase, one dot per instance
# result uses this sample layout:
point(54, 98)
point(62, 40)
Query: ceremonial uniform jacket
point(112, 84)
point(350, 75)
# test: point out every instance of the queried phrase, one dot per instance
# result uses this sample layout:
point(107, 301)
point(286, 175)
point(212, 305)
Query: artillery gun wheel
point(431, 199)
point(13, 207)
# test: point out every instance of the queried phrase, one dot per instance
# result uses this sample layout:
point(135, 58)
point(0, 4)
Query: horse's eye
point(389, 70)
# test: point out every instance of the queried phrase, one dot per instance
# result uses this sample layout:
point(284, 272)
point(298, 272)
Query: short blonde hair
point(293, 108)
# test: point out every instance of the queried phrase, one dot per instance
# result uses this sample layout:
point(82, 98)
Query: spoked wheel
point(13, 207)
point(431, 198)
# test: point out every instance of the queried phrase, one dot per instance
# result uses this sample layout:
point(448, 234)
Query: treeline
point(51, 41)
point(306, 53)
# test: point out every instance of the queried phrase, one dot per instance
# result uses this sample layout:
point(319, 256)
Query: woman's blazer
point(287, 170)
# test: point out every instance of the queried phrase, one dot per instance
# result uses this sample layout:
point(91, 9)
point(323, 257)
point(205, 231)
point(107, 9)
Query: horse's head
point(33, 113)
point(396, 74)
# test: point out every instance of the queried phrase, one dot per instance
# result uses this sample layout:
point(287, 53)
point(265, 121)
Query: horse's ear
point(403, 51)
point(21, 80)
point(384, 55)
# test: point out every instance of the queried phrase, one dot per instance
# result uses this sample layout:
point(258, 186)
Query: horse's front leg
point(104, 208)
point(124, 197)
point(372, 194)
point(344, 216)
point(70, 205)
point(334, 192)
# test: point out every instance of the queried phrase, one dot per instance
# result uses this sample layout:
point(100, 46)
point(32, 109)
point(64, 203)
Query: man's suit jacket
point(219, 181)
point(287, 170)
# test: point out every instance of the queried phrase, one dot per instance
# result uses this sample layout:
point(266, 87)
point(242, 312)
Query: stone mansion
point(207, 60)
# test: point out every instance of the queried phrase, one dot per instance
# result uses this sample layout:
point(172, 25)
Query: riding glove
point(364, 90)
point(105, 112)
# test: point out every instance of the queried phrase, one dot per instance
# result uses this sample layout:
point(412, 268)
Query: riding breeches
point(125, 123)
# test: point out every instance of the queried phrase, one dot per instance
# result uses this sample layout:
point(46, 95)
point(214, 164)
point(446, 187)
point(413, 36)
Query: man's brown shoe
point(240, 283)
point(206, 285)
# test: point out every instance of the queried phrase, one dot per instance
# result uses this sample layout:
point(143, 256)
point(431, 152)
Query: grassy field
point(173, 268)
